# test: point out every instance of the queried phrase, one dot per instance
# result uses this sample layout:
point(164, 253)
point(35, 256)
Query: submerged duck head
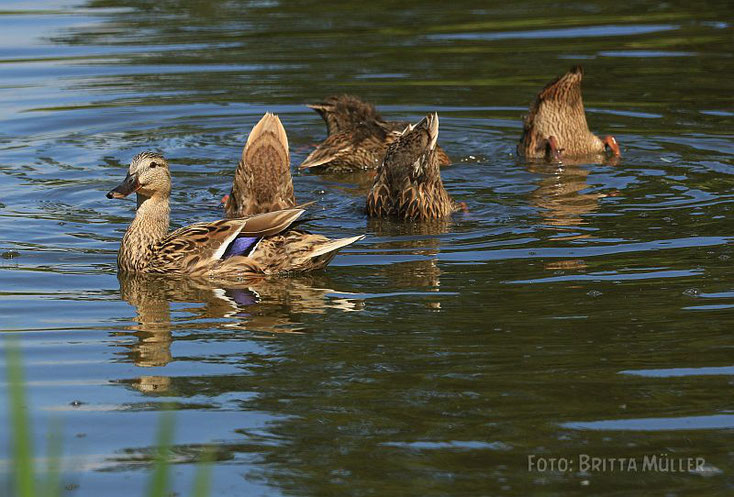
point(408, 182)
point(556, 126)
point(148, 175)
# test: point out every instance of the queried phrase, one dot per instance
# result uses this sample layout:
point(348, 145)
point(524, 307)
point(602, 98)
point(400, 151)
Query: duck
point(344, 112)
point(359, 148)
point(556, 128)
point(358, 136)
point(262, 181)
point(408, 183)
point(241, 247)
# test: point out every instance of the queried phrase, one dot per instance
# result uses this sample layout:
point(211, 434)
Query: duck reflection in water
point(420, 240)
point(561, 199)
point(264, 305)
point(556, 134)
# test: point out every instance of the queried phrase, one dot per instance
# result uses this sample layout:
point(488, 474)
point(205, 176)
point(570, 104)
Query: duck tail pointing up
point(269, 124)
point(430, 124)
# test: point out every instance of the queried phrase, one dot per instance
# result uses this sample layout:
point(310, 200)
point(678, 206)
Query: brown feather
point(297, 251)
point(345, 112)
point(358, 136)
point(558, 111)
point(262, 181)
point(199, 249)
point(362, 147)
point(408, 183)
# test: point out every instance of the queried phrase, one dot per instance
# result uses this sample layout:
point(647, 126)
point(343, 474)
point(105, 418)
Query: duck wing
point(201, 246)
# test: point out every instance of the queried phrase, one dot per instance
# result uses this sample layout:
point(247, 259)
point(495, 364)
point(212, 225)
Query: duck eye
point(153, 164)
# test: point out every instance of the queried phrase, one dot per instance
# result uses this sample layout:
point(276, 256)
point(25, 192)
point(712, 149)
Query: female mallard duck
point(261, 244)
point(408, 182)
point(358, 137)
point(344, 112)
point(262, 181)
point(361, 147)
point(556, 126)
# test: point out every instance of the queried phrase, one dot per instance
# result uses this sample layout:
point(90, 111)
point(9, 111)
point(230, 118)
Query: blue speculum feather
point(241, 245)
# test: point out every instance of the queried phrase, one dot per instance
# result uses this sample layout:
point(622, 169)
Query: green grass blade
point(53, 470)
point(202, 480)
point(159, 479)
point(22, 449)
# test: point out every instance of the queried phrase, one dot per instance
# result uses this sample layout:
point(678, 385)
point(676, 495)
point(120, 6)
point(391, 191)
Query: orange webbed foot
point(611, 145)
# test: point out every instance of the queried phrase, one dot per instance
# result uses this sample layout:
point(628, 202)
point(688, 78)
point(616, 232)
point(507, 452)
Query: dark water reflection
point(583, 309)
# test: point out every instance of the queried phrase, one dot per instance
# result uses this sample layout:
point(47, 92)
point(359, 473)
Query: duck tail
point(324, 253)
point(269, 124)
point(315, 160)
point(430, 125)
point(334, 245)
point(262, 180)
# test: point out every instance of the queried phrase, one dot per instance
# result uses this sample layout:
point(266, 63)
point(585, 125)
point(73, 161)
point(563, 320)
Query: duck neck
point(149, 226)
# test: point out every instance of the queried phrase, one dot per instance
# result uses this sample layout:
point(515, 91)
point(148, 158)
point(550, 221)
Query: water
point(583, 310)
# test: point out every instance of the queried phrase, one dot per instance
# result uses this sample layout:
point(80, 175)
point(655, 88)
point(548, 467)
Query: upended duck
point(556, 128)
point(358, 136)
point(408, 183)
point(226, 248)
point(262, 180)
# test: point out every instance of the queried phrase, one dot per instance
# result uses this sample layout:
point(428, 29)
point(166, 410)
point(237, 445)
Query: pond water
point(584, 310)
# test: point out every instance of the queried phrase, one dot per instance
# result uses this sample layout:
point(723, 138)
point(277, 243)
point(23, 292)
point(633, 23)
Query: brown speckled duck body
point(262, 181)
point(358, 148)
point(556, 128)
point(226, 248)
point(408, 183)
point(358, 136)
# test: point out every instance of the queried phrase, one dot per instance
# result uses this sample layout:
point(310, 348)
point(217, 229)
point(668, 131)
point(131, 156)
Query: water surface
point(575, 310)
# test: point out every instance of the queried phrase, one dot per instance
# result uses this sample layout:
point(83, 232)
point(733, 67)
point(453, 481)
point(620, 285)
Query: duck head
point(148, 175)
point(345, 112)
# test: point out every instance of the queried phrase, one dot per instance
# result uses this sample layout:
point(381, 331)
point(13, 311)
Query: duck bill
point(129, 185)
